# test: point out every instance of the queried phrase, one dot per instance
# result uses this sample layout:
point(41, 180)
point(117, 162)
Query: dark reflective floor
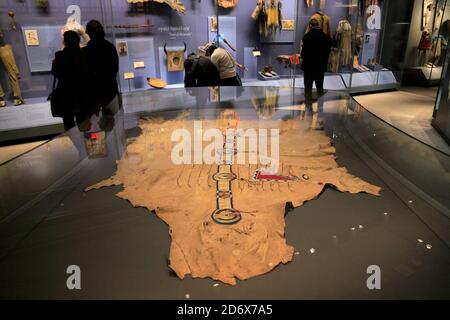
point(49, 222)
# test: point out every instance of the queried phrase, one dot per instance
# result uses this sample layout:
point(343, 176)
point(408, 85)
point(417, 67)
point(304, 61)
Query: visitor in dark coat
point(70, 70)
point(103, 65)
point(315, 54)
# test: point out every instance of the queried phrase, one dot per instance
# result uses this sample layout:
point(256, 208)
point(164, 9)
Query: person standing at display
point(9, 63)
point(226, 65)
point(70, 70)
point(103, 66)
point(314, 57)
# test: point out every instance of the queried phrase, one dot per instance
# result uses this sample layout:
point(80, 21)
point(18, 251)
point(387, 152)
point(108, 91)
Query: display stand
point(262, 77)
point(129, 85)
point(423, 76)
point(33, 119)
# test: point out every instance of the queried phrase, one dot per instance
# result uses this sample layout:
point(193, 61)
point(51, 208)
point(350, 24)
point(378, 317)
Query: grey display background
point(139, 49)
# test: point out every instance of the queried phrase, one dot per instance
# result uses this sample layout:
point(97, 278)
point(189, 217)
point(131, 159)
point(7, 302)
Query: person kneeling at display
point(71, 71)
point(200, 72)
point(225, 63)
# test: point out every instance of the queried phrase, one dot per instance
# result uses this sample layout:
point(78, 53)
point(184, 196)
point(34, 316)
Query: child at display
point(225, 63)
point(7, 58)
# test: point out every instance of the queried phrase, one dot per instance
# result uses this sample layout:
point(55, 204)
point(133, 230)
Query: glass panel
point(383, 143)
point(336, 19)
point(374, 68)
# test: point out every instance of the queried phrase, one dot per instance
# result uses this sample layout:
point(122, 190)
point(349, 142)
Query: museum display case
point(369, 41)
point(64, 203)
point(154, 38)
point(428, 39)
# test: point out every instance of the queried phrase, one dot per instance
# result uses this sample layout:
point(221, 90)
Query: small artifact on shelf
point(156, 83)
point(176, 5)
point(268, 72)
point(42, 4)
point(289, 60)
point(147, 24)
point(175, 58)
point(362, 68)
point(227, 3)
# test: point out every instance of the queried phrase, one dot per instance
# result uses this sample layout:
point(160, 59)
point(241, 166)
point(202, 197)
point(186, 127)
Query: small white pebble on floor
point(215, 285)
point(297, 253)
point(374, 134)
point(420, 240)
point(410, 201)
point(361, 226)
point(312, 250)
point(386, 213)
point(187, 296)
point(429, 246)
point(353, 229)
